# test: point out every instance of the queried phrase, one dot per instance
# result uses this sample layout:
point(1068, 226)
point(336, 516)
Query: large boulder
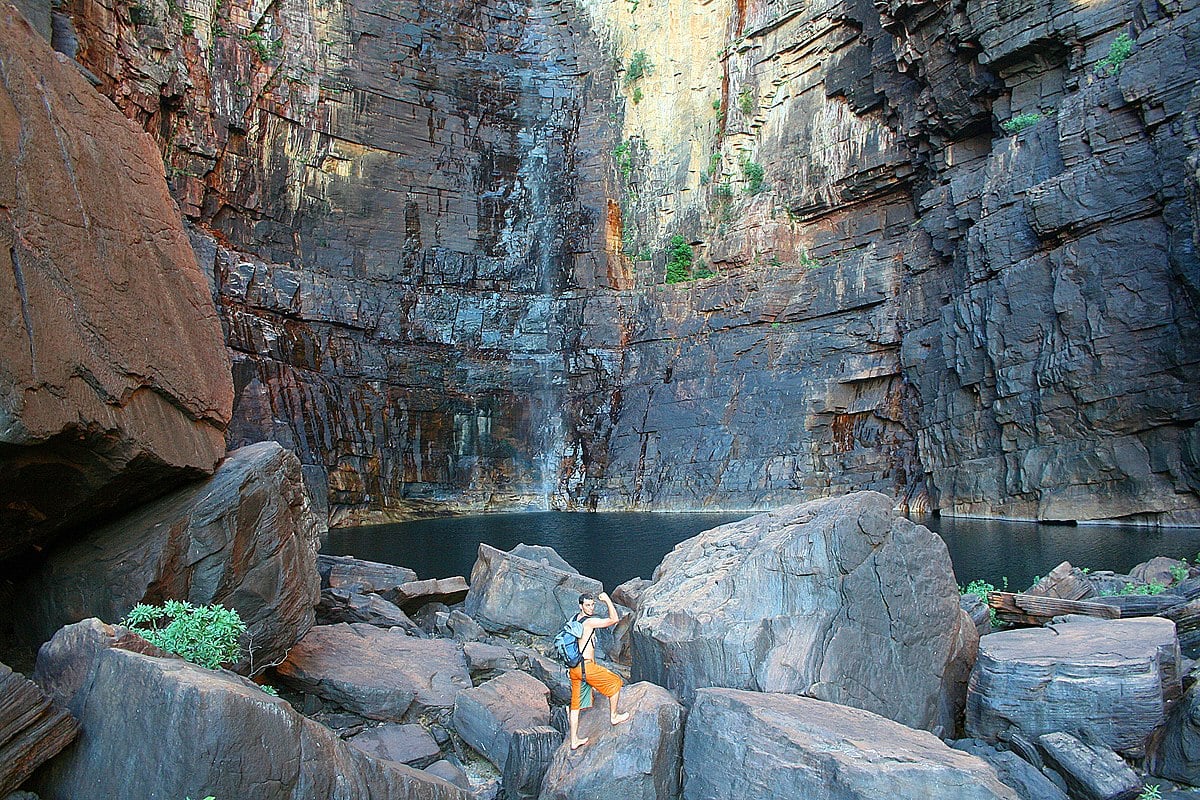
point(839, 599)
point(245, 538)
point(375, 672)
point(1025, 778)
point(1112, 678)
point(115, 383)
point(1092, 772)
point(164, 728)
point(759, 746)
point(509, 592)
point(638, 759)
point(1174, 752)
point(355, 575)
point(486, 716)
point(404, 744)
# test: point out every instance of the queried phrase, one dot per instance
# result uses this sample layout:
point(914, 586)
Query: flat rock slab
point(1013, 770)
point(1112, 677)
point(405, 744)
point(760, 746)
point(509, 592)
point(414, 594)
point(32, 729)
point(185, 731)
point(355, 575)
point(1092, 772)
point(341, 605)
point(486, 716)
point(638, 759)
point(375, 672)
point(791, 601)
point(483, 657)
point(1175, 752)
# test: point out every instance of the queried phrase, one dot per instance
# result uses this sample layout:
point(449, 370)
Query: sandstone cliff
point(437, 234)
point(114, 386)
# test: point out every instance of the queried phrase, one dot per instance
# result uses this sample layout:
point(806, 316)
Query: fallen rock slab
point(639, 758)
point(1013, 770)
point(1111, 677)
point(530, 752)
point(509, 592)
point(486, 716)
point(790, 601)
point(341, 605)
point(414, 594)
point(32, 729)
point(184, 731)
point(483, 657)
point(1174, 753)
point(355, 575)
point(245, 538)
point(1093, 772)
point(375, 672)
point(405, 744)
point(761, 746)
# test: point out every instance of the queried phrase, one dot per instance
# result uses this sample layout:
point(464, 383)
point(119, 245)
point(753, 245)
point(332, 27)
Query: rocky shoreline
point(824, 649)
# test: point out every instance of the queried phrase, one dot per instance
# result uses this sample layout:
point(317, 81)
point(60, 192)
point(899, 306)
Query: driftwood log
point(32, 730)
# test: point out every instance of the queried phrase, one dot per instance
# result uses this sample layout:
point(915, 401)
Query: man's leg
point(573, 712)
point(613, 716)
point(608, 684)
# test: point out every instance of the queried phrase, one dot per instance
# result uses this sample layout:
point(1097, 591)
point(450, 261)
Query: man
point(589, 672)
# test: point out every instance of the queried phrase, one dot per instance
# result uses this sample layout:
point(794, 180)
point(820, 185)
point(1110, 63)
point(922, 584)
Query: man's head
point(587, 604)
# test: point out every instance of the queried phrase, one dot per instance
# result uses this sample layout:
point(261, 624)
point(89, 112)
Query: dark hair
point(585, 597)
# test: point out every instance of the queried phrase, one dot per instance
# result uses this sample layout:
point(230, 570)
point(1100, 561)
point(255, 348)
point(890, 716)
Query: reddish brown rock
point(245, 538)
point(114, 384)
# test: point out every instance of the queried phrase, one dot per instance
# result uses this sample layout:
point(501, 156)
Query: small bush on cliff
point(639, 66)
point(679, 260)
point(1120, 49)
point(623, 155)
point(754, 174)
point(1022, 121)
point(204, 635)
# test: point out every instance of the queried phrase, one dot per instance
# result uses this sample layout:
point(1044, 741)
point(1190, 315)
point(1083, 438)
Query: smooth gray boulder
point(638, 759)
point(1174, 752)
point(1093, 772)
point(178, 730)
point(356, 575)
point(839, 599)
point(405, 744)
point(762, 746)
point(245, 538)
point(414, 594)
point(482, 657)
point(342, 605)
point(509, 592)
point(1113, 678)
point(375, 672)
point(486, 716)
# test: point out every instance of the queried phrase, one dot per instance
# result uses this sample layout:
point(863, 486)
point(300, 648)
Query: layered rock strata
point(114, 385)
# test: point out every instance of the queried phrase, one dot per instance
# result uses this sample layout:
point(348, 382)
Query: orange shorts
point(602, 680)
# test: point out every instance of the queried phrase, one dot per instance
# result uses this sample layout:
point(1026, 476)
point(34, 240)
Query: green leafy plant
point(746, 102)
point(645, 254)
point(265, 47)
point(679, 260)
point(637, 95)
point(1150, 791)
point(723, 190)
point(204, 635)
point(1021, 122)
point(806, 261)
point(754, 174)
point(702, 271)
point(269, 689)
point(639, 66)
point(1120, 49)
point(189, 24)
point(1179, 572)
point(716, 104)
point(623, 155)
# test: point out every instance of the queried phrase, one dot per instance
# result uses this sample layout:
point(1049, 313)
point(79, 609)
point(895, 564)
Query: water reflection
point(614, 547)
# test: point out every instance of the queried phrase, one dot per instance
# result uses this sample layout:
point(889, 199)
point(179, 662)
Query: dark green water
point(614, 547)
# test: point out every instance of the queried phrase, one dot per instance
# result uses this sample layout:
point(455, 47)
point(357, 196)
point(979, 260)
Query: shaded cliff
point(438, 241)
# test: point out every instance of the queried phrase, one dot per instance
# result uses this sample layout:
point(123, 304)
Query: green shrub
point(266, 48)
point(1118, 52)
point(637, 95)
point(189, 24)
point(679, 260)
point(639, 66)
point(623, 155)
point(645, 254)
point(717, 104)
point(1179, 572)
point(754, 174)
point(204, 635)
point(723, 190)
point(1150, 791)
point(808, 262)
point(702, 271)
point(746, 102)
point(269, 689)
point(1021, 122)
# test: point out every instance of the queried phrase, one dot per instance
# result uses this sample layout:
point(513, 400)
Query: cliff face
point(437, 234)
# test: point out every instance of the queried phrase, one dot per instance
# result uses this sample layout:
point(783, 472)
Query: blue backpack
point(566, 643)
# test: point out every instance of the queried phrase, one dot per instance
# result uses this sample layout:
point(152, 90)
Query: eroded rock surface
point(1112, 678)
point(245, 538)
point(752, 745)
point(114, 384)
point(509, 592)
point(487, 715)
point(837, 599)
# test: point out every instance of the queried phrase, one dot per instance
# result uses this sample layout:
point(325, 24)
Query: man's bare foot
point(579, 743)
point(619, 718)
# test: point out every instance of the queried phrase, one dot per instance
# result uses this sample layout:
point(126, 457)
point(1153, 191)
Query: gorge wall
point(436, 233)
